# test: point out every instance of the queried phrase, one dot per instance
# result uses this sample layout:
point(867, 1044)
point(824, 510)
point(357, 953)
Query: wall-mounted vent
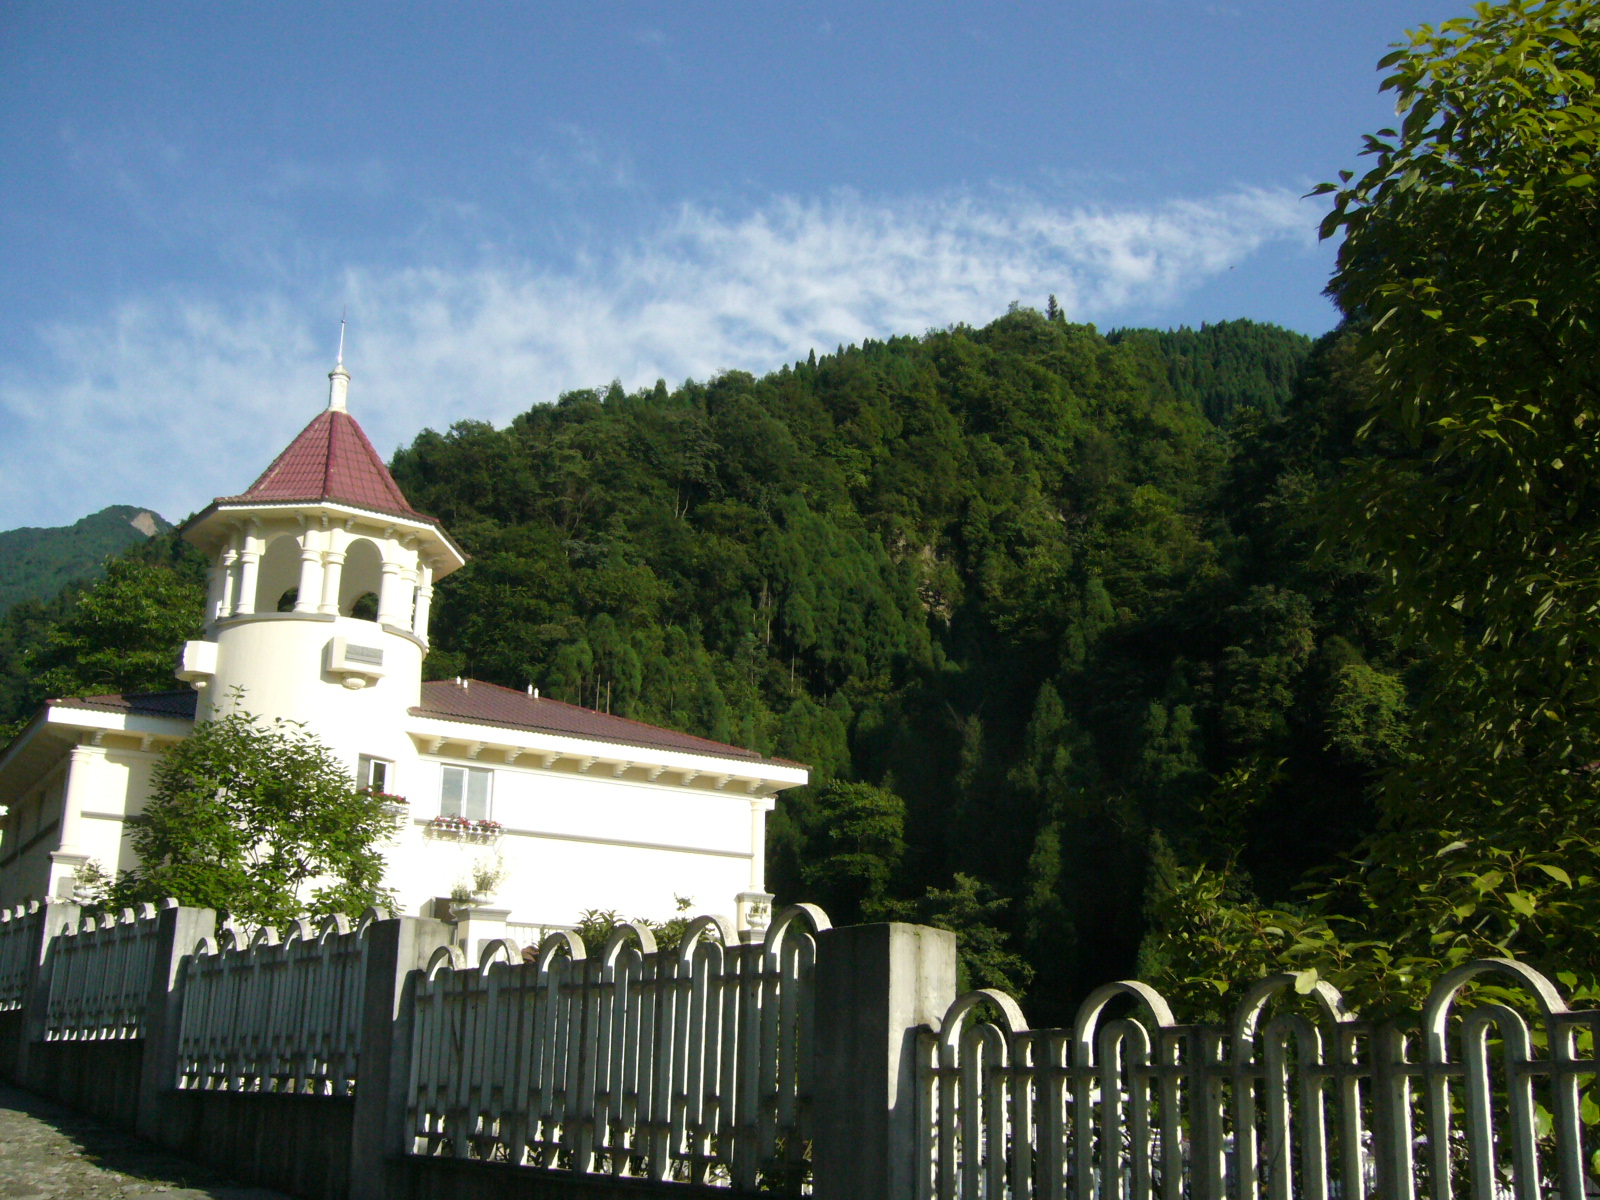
point(355, 664)
point(197, 664)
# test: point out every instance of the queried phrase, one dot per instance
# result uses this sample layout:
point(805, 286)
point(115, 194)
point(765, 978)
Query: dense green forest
point(1189, 654)
point(1007, 577)
point(1008, 584)
point(35, 564)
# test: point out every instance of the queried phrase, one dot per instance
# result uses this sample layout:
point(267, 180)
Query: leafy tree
point(970, 909)
point(1471, 253)
point(122, 635)
point(260, 820)
point(855, 855)
point(1469, 266)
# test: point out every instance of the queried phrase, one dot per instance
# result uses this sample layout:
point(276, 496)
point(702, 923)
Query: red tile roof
point(489, 704)
point(478, 703)
point(143, 704)
point(330, 460)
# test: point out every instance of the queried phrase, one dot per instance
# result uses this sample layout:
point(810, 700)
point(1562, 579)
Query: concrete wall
point(295, 1144)
point(98, 1078)
point(874, 987)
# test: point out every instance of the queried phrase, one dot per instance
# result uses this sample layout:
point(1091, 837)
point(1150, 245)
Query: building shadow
point(46, 1162)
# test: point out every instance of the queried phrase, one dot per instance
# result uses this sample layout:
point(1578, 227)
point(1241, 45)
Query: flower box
point(464, 828)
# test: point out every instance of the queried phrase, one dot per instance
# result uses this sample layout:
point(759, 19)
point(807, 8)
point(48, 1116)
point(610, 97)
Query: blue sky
point(516, 200)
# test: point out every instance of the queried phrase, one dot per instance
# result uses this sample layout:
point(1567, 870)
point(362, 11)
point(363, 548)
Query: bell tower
point(321, 581)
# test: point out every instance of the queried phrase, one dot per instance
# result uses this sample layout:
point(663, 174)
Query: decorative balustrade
point(101, 971)
point(276, 1015)
point(691, 1064)
point(1308, 1101)
point(20, 934)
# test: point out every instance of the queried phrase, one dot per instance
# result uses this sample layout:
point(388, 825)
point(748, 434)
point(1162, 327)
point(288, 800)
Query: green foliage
point(851, 864)
point(970, 910)
point(596, 925)
point(259, 820)
point(1469, 267)
point(35, 564)
point(1471, 254)
point(122, 634)
point(1229, 365)
point(1014, 600)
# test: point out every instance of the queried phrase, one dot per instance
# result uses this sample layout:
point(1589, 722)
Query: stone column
point(230, 589)
point(216, 584)
point(77, 791)
point(332, 573)
point(309, 596)
point(419, 618)
point(876, 986)
point(397, 951)
point(244, 604)
point(178, 932)
point(391, 606)
point(753, 908)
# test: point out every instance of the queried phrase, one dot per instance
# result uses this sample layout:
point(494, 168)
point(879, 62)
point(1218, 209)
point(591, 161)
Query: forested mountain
point(35, 564)
point(1033, 619)
point(1230, 364)
point(1009, 577)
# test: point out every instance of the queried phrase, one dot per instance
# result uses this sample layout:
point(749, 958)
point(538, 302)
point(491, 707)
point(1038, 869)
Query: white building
point(584, 809)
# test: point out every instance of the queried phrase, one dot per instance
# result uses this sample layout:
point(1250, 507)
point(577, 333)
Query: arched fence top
point(694, 936)
point(445, 958)
point(498, 952)
point(621, 935)
point(1247, 1013)
point(555, 942)
point(1088, 1016)
point(1436, 1009)
point(956, 1015)
point(334, 925)
point(807, 916)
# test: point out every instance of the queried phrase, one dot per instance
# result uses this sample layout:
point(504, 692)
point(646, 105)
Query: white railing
point(691, 1064)
point(1309, 1102)
point(19, 953)
point(276, 1015)
point(101, 972)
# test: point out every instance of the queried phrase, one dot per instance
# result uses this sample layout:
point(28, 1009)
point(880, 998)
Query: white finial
point(339, 378)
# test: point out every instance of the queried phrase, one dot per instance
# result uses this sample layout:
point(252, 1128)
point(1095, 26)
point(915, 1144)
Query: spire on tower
point(338, 378)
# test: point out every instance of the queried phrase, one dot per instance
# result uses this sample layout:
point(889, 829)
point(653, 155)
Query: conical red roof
point(330, 460)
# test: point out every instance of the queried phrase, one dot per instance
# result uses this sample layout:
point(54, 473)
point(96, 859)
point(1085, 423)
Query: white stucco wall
point(280, 662)
point(575, 841)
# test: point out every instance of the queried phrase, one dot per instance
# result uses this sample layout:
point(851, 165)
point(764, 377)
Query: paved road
point(50, 1153)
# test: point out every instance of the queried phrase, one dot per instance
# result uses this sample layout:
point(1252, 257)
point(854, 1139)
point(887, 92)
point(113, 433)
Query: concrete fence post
point(57, 916)
point(395, 949)
point(876, 985)
point(178, 930)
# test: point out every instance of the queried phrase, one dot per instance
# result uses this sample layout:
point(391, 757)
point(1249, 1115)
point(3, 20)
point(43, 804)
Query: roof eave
point(774, 775)
point(416, 522)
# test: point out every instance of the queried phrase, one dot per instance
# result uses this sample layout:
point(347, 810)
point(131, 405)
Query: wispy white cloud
point(173, 398)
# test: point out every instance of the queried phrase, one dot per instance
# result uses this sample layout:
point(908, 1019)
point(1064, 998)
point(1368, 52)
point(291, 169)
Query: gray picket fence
point(691, 1064)
point(1282, 1102)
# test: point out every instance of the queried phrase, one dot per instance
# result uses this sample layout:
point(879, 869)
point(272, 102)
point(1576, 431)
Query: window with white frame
point(374, 773)
point(464, 792)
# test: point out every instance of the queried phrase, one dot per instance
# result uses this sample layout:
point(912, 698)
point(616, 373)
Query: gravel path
point(50, 1153)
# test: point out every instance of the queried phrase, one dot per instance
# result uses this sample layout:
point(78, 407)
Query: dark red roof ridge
point(331, 459)
point(508, 708)
point(180, 702)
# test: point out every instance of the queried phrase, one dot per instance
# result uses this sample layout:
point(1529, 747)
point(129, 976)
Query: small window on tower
point(374, 773)
point(464, 792)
